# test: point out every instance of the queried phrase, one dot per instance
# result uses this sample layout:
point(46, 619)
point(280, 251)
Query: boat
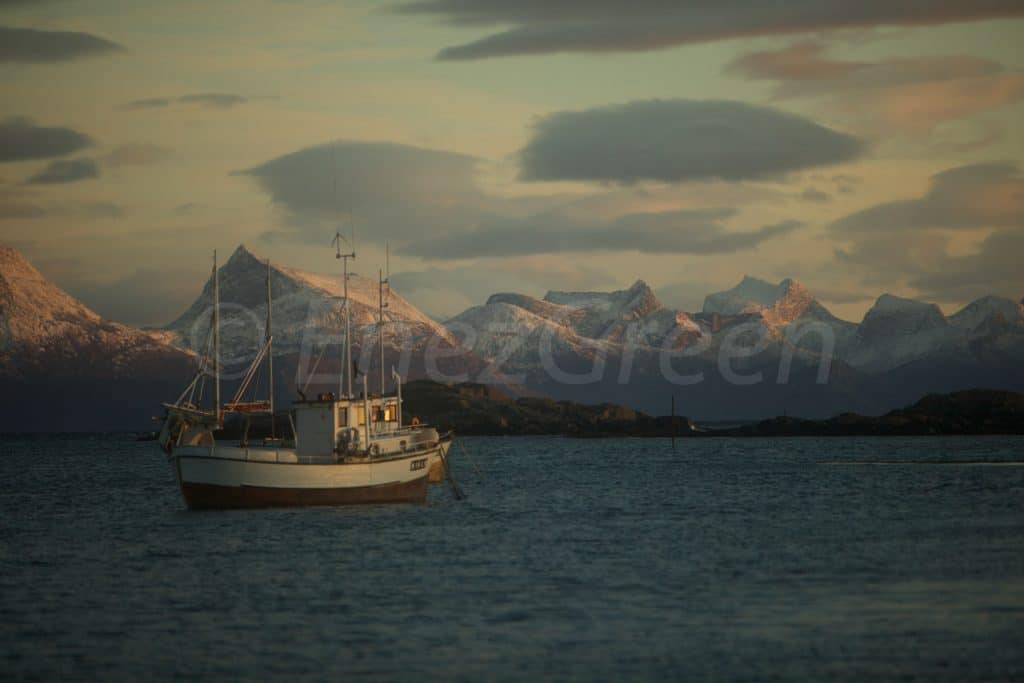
point(341, 449)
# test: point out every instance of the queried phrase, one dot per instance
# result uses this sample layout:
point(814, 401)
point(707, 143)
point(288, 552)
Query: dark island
point(478, 409)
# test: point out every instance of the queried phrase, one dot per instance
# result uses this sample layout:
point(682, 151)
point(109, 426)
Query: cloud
point(395, 191)
point(186, 208)
point(145, 296)
point(912, 94)
point(695, 231)
point(146, 103)
point(984, 195)
point(679, 140)
point(845, 184)
point(912, 241)
point(445, 292)
point(925, 264)
point(428, 204)
point(993, 268)
point(27, 45)
point(66, 171)
point(21, 140)
point(211, 100)
point(687, 295)
point(15, 207)
point(842, 296)
point(640, 25)
point(98, 210)
point(137, 154)
point(214, 99)
point(814, 195)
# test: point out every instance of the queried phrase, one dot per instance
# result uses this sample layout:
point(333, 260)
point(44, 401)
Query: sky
point(495, 146)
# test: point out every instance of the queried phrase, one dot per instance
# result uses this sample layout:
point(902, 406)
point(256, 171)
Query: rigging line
point(199, 379)
point(456, 490)
point(207, 363)
point(312, 372)
point(250, 373)
point(472, 460)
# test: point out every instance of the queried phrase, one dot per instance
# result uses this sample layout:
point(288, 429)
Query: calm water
point(727, 559)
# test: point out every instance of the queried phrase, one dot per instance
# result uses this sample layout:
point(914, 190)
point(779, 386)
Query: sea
point(755, 559)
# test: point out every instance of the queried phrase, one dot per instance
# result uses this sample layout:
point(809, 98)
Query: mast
point(348, 334)
point(270, 354)
point(216, 337)
point(345, 378)
point(366, 411)
point(380, 326)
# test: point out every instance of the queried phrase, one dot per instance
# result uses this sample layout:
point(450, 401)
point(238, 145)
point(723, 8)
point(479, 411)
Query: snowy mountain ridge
point(894, 332)
point(901, 345)
point(308, 308)
point(44, 329)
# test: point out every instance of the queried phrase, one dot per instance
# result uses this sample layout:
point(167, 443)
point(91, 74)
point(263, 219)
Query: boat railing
point(398, 431)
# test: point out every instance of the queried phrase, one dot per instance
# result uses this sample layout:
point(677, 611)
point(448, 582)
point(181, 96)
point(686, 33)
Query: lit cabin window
point(360, 416)
point(390, 412)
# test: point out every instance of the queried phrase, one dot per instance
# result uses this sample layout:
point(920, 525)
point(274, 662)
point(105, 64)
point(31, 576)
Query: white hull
point(222, 476)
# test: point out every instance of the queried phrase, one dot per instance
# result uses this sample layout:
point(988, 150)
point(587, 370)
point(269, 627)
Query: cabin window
point(390, 412)
point(342, 416)
point(360, 416)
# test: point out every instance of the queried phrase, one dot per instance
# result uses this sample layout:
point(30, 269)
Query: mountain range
point(756, 350)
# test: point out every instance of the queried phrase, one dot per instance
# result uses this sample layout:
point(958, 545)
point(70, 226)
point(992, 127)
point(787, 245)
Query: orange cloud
point(902, 94)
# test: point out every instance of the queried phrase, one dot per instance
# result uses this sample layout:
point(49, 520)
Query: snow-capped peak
point(243, 254)
point(32, 308)
point(890, 303)
point(302, 302)
point(14, 265)
point(44, 329)
point(896, 331)
point(750, 295)
point(977, 312)
point(558, 313)
point(778, 304)
point(636, 301)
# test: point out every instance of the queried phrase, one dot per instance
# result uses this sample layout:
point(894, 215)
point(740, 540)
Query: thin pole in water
point(673, 421)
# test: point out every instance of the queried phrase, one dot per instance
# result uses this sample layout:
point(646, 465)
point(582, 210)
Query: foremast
point(216, 340)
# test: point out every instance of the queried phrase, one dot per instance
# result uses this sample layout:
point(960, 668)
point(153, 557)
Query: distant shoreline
point(484, 410)
point(472, 409)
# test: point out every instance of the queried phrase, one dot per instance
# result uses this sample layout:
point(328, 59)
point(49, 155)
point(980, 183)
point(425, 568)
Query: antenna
point(387, 272)
point(345, 374)
point(336, 242)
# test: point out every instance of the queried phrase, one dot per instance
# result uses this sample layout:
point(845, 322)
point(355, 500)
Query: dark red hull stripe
point(215, 497)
